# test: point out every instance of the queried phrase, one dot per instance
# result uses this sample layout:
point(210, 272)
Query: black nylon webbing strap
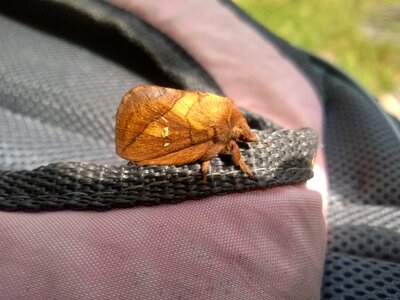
point(280, 157)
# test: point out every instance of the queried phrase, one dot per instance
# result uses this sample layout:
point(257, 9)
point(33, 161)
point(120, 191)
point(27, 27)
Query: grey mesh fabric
point(363, 259)
point(362, 142)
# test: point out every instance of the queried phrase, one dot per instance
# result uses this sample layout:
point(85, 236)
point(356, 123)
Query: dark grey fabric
point(369, 173)
point(354, 277)
point(363, 151)
point(57, 101)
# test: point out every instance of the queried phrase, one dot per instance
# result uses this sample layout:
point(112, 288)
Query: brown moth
point(164, 126)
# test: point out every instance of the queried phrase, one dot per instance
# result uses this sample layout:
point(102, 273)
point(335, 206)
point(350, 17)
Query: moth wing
point(157, 125)
point(153, 122)
point(138, 108)
point(201, 114)
point(183, 156)
point(211, 116)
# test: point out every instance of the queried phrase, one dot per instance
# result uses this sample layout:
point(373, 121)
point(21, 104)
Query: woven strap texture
point(50, 115)
point(280, 157)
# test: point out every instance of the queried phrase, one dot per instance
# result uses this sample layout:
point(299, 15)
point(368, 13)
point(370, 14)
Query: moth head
point(242, 131)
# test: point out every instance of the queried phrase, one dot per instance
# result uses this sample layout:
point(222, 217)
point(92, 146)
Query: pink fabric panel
point(241, 246)
point(266, 244)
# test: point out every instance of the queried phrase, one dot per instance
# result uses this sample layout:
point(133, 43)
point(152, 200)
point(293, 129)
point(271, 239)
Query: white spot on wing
point(165, 132)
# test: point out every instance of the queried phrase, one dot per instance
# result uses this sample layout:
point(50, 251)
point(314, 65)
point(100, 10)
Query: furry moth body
point(164, 126)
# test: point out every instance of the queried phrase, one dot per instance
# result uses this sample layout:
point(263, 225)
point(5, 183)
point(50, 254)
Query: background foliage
point(360, 36)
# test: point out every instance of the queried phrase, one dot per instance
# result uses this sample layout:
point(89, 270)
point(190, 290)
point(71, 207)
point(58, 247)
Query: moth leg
point(208, 156)
point(237, 158)
point(204, 169)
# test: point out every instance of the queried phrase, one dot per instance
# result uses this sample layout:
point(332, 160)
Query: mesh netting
point(368, 170)
point(364, 216)
point(352, 277)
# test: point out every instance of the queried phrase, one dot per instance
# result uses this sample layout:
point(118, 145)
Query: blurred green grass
point(353, 34)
